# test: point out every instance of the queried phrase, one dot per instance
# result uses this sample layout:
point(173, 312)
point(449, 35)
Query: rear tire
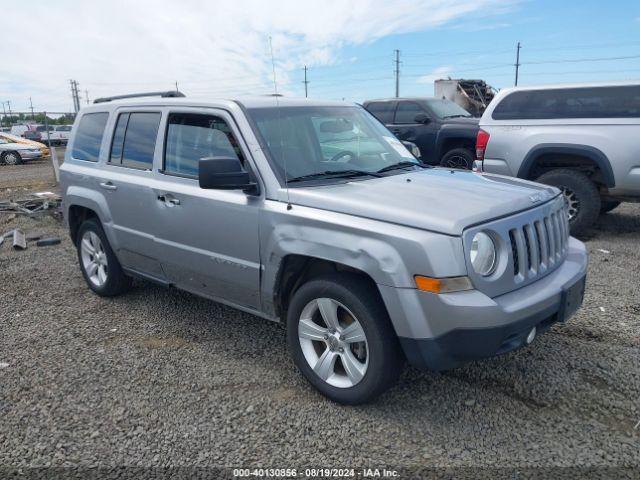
point(458, 158)
point(99, 265)
point(362, 367)
point(581, 195)
point(608, 205)
point(11, 158)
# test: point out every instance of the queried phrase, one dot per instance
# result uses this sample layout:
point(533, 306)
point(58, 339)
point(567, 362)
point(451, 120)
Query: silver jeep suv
point(580, 138)
point(312, 214)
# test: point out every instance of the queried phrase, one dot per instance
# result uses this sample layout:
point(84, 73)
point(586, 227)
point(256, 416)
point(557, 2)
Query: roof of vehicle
point(248, 102)
point(394, 99)
point(554, 86)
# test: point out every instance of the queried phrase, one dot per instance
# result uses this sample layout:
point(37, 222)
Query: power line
point(580, 60)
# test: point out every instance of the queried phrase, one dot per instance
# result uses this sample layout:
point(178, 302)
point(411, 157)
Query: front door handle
point(108, 186)
point(169, 199)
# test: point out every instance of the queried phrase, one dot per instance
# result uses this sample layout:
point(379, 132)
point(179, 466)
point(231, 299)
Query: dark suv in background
point(444, 132)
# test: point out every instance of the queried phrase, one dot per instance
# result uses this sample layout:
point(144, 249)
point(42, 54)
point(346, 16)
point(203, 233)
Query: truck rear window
point(584, 102)
point(86, 145)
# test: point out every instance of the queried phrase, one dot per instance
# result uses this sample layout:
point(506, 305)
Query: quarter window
point(134, 140)
point(192, 137)
point(407, 111)
point(86, 145)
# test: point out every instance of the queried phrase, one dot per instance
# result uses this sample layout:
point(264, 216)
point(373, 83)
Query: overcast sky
point(221, 48)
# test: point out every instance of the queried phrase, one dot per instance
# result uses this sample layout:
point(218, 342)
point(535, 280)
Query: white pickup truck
point(58, 134)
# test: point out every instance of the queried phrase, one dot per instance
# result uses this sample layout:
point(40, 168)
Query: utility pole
point(397, 72)
point(10, 114)
point(31, 107)
point(306, 83)
point(86, 92)
point(4, 111)
point(74, 95)
point(177, 86)
point(517, 62)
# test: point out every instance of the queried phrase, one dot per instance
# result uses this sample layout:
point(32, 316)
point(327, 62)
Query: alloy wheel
point(333, 342)
point(94, 258)
point(457, 161)
point(573, 204)
point(11, 158)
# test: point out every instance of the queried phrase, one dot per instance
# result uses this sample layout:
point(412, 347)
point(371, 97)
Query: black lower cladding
point(463, 345)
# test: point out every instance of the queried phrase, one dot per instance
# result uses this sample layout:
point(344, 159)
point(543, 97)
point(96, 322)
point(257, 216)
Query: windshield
point(316, 141)
point(444, 108)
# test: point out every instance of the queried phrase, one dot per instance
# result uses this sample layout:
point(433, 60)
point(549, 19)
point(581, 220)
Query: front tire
point(99, 265)
point(11, 158)
point(458, 158)
point(340, 337)
point(581, 195)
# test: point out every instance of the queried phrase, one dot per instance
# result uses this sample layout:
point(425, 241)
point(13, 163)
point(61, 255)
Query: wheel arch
point(82, 203)
point(297, 269)
point(550, 150)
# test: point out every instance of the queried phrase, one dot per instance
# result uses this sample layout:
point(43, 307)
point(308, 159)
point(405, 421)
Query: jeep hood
point(438, 199)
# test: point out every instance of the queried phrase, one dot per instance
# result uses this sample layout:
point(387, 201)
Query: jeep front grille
point(539, 245)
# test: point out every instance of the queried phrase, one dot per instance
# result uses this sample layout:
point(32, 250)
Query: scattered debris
point(601, 309)
point(10, 217)
point(33, 237)
point(45, 242)
point(37, 203)
point(602, 250)
point(19, 240)
point(637, 425)
point(5, 365)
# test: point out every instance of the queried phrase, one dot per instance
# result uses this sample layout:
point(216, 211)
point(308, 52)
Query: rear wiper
point(333, 174)
point(399, 165)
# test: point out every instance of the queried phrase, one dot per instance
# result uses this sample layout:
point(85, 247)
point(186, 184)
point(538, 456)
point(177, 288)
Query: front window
point(307, 141)
point(444, 108)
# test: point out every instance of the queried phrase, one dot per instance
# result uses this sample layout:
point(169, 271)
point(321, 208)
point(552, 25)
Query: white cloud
point(210, 48)
point(436, 74)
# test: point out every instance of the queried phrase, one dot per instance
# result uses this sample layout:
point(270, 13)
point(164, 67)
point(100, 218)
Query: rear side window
point(134, 140)
point(383, 111)
point(407, 112)
point(592, 102)
point(86, 145)
point(191, 137)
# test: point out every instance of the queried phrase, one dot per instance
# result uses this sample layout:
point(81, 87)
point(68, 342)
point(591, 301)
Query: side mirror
point(223, 173)
point(422, 118)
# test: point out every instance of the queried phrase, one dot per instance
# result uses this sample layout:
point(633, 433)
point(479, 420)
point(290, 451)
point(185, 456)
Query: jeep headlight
point(483, 254)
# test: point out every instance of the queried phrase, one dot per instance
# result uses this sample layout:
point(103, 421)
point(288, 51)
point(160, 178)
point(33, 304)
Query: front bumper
point(439, 332)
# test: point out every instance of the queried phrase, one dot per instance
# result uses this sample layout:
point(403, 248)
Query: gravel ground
point(33, 173)
point(162, 378)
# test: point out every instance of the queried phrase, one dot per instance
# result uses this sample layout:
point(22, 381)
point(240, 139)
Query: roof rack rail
point(167, 94)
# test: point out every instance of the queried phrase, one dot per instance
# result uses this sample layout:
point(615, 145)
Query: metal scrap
point(19, 240)
point(37, 203)
point(45, 242)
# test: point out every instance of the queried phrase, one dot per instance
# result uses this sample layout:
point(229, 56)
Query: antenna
point(283, 158)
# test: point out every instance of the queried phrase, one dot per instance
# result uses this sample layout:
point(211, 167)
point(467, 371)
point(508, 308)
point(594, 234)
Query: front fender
point(390, 254)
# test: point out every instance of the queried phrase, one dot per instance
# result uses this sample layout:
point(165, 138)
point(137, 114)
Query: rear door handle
point(169, 199)
point(108, 186)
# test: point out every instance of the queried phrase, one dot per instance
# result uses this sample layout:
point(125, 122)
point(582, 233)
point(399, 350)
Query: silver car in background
point(581, 138)
point(313, 214)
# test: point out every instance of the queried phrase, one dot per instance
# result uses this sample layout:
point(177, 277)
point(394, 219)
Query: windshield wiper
point(399, 165)
point(333, 174)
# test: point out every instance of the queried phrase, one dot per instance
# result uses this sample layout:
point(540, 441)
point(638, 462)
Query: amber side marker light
point(442, 285)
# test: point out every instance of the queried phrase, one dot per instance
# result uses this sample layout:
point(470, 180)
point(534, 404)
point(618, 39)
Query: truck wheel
point(458, 158)
point(581, 195)
point(100, 267)
point(11, 158)
point(607, 205)
point(340, 337)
